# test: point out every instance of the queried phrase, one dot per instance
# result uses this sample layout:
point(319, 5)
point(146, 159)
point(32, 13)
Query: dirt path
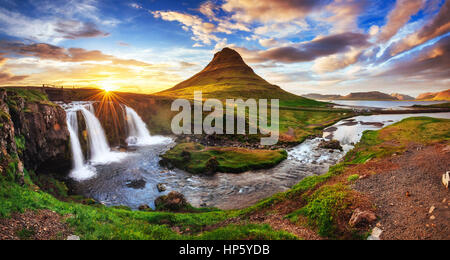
point(34, 225)
point(406, 188)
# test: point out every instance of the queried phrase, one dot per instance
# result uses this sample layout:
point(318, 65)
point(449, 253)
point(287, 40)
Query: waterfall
point(100, 152)
point(80, 170)
point(138, 133)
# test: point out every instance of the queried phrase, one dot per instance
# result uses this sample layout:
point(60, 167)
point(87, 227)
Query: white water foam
point(81, 171)
point(139, 135)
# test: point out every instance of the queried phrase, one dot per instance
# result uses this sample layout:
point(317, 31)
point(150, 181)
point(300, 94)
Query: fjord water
point(384, 104)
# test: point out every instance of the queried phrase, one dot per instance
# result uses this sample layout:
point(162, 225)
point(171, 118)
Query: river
point(113, 184)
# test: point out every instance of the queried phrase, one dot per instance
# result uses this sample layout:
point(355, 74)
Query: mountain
point(374, 95)
point(439, 96)
point(321, 97)
point(426, 96)
point(227, 76)
point(402, 96)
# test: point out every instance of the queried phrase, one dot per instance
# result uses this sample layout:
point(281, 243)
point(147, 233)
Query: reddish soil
point(34, 225)
point(275, 217)
point(404, 188)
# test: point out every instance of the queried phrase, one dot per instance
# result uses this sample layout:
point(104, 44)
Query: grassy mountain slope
point(229, 77)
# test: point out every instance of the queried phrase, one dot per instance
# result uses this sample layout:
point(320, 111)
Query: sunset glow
point(332, 47)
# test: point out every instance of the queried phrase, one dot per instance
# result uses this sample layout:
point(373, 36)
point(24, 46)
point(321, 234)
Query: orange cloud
point(440, 25)
point(52, 52)
point(270, 10)
point(401, 14)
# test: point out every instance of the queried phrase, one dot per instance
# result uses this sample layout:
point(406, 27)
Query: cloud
point(337, 61)
point(399, 16)
point(271, 42)
point(2, 60)
point(52, 52)
point(438, 26)
point(278, 11)
point(344, 14)
point(52, 30)
point(76, 29)
point(202, 30)
point(136, 6)
point(8, 77)
point(312, 50)
point(430, 63)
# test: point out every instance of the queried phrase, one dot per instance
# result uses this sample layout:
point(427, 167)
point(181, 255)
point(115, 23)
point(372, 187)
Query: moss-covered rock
point(209, 160)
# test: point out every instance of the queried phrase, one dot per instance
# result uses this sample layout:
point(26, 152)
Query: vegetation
point(29, 95)
point(322, 199)
point(442, 105)
point(197, 159)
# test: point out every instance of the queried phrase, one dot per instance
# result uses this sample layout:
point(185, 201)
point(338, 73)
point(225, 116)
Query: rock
point(144, 207)
point(136, 184)
point(376, 234)
point(161, 187)
point(211, 166)
point(186, 155)
point(446, 179)
point(174, 201)
point(360, 217)
point(333, 145)
point(73, 238)
point(432, 217)
point(431, 209)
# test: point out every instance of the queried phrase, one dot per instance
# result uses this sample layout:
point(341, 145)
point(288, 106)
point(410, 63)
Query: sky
point(303, 46)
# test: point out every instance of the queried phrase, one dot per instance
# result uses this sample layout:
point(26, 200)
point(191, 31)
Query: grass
point(395, 138)
point(322, 208)
point(322, 199)
point(197, 159)
point(442, 105)
point(102, 223)
point(29, 95)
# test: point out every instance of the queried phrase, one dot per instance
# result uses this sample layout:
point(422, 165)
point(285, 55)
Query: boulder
point(211, 166)
point(332, 145)
point(360, 218)
point(161, 187)
point(174, 201)
point(73, 238)
point(446, 179)
point(144, 207)
point(136, 184)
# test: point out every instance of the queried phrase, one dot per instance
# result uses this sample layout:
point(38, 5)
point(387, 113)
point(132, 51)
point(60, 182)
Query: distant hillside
point(321, 97)
point(426, 96)
point(374, 95)
point(402, 96)
point(229, 77)
point(437, 96)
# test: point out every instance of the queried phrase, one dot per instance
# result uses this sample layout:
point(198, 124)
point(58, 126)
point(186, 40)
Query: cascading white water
point(80, 170)
point(100, 151)
point(97, 139)
point(138, 133)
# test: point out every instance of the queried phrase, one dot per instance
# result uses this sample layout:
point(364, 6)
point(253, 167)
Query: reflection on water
point(384, 104)
point(112, 186)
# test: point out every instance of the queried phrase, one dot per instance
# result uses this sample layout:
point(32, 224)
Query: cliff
point(33, 133)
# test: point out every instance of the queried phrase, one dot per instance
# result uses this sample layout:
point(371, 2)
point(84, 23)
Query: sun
point(107, 86)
